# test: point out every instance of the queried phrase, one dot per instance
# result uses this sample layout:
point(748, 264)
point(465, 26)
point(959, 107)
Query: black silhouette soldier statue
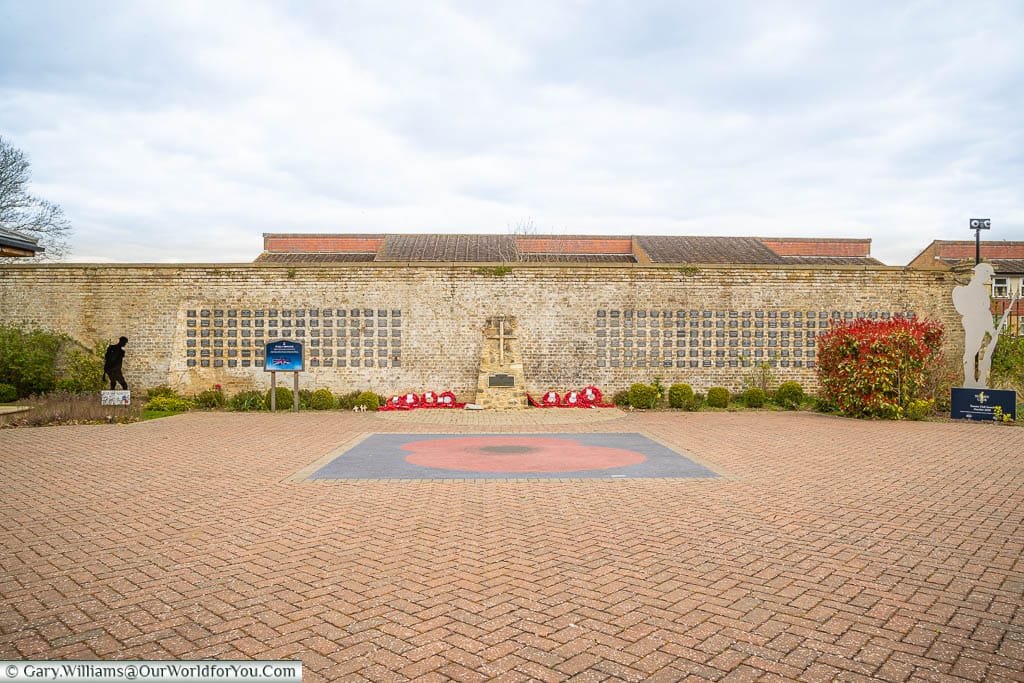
point(112, 360)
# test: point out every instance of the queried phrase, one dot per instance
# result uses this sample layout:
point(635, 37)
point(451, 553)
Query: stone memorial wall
point(410, 327)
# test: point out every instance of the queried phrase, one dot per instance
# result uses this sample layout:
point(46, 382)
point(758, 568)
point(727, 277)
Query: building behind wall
point(1007, 259)
point(399, 313)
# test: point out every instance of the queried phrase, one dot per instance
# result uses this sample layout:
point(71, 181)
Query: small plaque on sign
point(501, 381)
point(115, 398)
point(981, 404)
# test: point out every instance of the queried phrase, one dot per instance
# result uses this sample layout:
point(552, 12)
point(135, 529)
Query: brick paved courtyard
point(827, 549)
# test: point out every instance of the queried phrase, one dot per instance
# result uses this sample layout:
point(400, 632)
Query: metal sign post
point(977, 225)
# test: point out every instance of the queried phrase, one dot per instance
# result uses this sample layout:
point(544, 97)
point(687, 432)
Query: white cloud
point(182, 131)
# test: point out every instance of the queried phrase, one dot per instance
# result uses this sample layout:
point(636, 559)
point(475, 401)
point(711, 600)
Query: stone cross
point(501, 337)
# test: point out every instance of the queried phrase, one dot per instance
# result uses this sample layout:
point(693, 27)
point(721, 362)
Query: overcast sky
point(182, 131)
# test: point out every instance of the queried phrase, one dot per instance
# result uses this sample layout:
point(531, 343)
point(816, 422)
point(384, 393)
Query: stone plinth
point(502, 383)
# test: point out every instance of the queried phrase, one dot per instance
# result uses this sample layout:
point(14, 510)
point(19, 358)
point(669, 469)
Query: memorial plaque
point(501, 381)
point(981, 404)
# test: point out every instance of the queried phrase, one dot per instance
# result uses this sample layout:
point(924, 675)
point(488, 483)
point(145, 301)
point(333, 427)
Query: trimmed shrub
point(621, 398)
point(8, 393)
point(248, 400)
point(718, 397)
point(283, 396)
point(347, 401)
point(368, 399)
point(754, 397)
point(679, 395)
point(643, 396)
point(789, 395)
point(874, 368)
point(322, 399)
point(210, 398)
point(305, 396)
point(170, 404)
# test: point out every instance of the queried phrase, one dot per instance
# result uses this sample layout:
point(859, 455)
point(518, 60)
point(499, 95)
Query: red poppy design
point(516, 454)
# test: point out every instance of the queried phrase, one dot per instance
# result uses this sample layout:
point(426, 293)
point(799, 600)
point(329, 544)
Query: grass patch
point(157, 414)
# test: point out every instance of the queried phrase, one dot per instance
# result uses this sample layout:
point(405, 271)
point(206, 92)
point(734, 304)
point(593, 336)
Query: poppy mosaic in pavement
point(510, 456)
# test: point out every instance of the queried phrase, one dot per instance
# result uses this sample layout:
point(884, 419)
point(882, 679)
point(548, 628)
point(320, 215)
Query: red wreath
point(575, 399)
point(550, 399)
point(592, 394)
point(447, 400)
point(409, 400)
point(428, 400)
point(391, 404)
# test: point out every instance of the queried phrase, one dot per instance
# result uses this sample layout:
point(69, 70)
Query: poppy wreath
point(447, 400)
point(550, 399)
point(428, 400)
point(409, 401)
point(575, 399)
point(393, 403)
point(594, 396)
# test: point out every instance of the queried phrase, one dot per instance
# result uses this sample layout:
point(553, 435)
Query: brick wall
point(429, 318)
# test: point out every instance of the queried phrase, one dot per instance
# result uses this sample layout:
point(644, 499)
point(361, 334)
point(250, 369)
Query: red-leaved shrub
point(874, 368)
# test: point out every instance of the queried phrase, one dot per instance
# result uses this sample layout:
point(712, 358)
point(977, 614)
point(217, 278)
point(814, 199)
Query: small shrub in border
point(8, 393)
point(347, 401)
point(754, 397)
point(718, 397)
point(643, 396)
point(245, 401)
point(368, 400)
point(170, 404)
point(919, 408)
point(322, 399)
point(162, 390)
point(679, 395)
point(283, 397)
point(789, 395)
point(621, 398)
point(211, 398)
point(695, 403)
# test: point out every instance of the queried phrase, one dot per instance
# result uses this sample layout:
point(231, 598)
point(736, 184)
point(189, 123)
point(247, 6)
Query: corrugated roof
point(473, 248)
point(833, 260)
point(1002, 266)
point(674, 249)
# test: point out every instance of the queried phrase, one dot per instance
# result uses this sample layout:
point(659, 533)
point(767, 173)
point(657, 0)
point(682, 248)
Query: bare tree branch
point(26, 214)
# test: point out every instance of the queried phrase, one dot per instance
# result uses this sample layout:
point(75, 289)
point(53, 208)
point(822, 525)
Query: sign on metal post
point(283, 355)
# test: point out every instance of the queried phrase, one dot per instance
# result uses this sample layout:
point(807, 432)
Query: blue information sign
point(283, 355)
point(981, 404)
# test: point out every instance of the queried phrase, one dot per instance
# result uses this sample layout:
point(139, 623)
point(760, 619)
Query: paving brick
point(829, 550)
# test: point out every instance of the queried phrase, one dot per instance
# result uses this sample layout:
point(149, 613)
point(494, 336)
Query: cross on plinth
point(501, 337)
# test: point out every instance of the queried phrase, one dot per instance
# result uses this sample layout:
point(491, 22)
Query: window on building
point(1000, 287)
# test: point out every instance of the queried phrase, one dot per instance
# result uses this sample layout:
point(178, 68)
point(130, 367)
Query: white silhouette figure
point(972, 303)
